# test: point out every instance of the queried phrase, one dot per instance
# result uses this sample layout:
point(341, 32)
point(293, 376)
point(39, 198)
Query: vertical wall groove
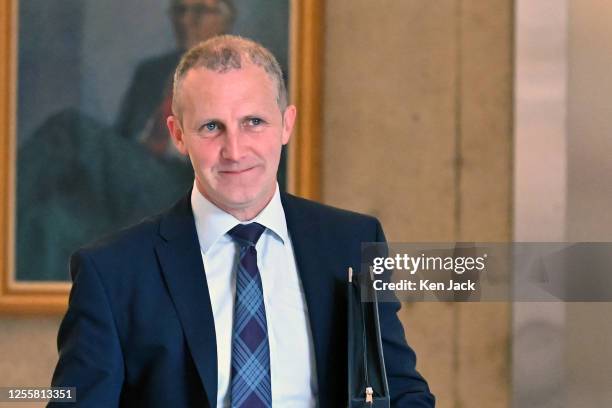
point(458, 129)
point(457, 186)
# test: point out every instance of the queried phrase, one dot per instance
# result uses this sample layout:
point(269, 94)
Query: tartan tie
point(251, 386)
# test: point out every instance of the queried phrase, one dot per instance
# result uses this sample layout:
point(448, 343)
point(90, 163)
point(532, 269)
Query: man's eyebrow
point(257, 113)
point(209, 119)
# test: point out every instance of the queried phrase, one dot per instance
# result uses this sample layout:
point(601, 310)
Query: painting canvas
point(93, 90)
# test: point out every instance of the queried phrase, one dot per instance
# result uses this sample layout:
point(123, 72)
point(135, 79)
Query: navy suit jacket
point(139, 330)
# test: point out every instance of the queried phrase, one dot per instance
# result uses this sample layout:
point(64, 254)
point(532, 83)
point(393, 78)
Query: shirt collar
point(212, 223)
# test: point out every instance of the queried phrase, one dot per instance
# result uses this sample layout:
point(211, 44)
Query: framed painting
point(84, 91)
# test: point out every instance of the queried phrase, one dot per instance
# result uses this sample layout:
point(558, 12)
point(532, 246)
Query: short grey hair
point(223, 53)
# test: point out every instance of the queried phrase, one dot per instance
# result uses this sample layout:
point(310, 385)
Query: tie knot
point(247, 234)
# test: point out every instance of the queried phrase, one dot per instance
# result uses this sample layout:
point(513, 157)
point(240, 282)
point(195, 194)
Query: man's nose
point(232, 145)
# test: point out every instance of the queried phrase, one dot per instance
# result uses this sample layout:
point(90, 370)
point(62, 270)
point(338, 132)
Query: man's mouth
point(236, 172)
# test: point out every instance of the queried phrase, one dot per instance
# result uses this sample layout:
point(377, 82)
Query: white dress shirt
point(292, 360)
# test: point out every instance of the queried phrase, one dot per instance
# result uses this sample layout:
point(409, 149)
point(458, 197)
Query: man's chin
point(239, 200)
point(245, 200)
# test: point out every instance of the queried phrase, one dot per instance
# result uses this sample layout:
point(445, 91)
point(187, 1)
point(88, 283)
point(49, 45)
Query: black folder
point(367, 379)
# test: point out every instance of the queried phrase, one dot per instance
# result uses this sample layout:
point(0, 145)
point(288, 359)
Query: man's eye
point(255, 121)
point(211, 126)
point(210, 129)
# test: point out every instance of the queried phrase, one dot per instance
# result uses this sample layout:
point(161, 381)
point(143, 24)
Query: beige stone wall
point(418, 131)
point(27, 353)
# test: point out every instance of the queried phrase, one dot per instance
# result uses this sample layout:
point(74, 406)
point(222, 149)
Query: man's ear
point(176, 133)
point(288, 122)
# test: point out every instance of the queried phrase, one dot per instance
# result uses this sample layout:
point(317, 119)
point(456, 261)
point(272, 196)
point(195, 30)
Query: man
point(237, 295)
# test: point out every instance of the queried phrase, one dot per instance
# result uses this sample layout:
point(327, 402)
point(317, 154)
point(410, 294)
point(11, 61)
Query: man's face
point(197, 20)
point(233, 130)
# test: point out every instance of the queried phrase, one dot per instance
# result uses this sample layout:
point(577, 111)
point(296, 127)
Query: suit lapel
point(311, 253)
point(183, 271)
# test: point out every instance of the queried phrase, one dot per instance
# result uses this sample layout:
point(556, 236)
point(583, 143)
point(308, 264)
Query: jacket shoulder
point(308, 211)
point(130, 240)
point(323, 209)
